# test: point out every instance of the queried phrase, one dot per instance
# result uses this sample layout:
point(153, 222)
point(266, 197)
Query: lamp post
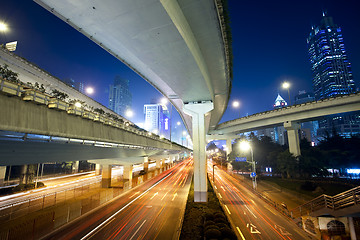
point(245, 145)
point(236, 104)
point(286, 85)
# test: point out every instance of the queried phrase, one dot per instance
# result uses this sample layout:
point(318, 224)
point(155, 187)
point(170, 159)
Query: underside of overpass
point(180, 47)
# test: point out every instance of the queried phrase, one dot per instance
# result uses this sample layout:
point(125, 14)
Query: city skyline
point(269, 45)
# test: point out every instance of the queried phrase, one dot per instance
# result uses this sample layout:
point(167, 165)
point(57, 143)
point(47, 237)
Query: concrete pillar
point(97, 169)
point(2, 174)
point(146, 164)
point(197, 111)
point(75, 167)
point(158, 163)
point(228, 146)
point(352, 228)
point(106, 176)
point(292, 129)
point(163, 162)
point(127, 174)
point(23, 172)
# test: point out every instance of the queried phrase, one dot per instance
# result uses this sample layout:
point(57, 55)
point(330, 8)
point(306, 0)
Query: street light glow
point(244, 145)
point(286, 85)
point(178, 123)
point(164, 101)
point(89, 90)
point(129, 113)
point(236, 104)
point(78, 104)
point(3, 27)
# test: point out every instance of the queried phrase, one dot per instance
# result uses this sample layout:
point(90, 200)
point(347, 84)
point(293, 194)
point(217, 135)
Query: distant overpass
point(290, 117)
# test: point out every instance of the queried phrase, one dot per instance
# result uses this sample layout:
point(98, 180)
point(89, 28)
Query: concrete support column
point(292, 129)
point(163, 162)
point(146, 164)
point(2, 174)
point(128, 174)
point(228, 146)
point(97, 169)
point(158, 163)
point(23, 172)
point(106, 176)
point(75, 167)
point(197, 111)
point(352, 228)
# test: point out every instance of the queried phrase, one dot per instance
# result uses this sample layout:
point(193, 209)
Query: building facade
point(156, 119)
point(120, 97)
point(332, 75)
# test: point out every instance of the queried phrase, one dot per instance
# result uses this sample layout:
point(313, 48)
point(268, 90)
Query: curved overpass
point(180, 47)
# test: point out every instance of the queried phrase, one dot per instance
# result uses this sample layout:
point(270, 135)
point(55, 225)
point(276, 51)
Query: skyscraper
point(156, 120)
point(120, 97)
point(331, 69)
point(332, 74)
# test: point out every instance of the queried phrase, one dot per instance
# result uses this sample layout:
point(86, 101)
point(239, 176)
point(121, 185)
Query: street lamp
point(89, 90)
point(129, 113)
point(286, 85)
point(245, 146)
point(236, 104)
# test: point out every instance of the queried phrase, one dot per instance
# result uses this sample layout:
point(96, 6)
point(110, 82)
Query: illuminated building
point(332, 75)
point(120, 97)
point(156, 119)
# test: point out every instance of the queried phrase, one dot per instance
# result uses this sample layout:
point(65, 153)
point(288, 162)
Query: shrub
point(211, 227)
point(207, 223)
point(208, 216)
point(212, 234)
point(227, 233)
point(308, 186)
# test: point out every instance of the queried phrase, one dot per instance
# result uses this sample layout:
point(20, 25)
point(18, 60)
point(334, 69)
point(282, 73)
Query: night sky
point(269, 47)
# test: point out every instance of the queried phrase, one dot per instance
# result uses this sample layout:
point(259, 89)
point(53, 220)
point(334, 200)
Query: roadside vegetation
point(205, 220)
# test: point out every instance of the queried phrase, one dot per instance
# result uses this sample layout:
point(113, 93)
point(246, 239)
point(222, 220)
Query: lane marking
point(219, 195)
point(253, 229)
point(134, 194)
point(242, 236)
point(227, 209)
point(174, 197)
point(154, 195)
point(282, 230)
point(250, 211)
point(164, 196)
point(120, 210)
point(137, 229)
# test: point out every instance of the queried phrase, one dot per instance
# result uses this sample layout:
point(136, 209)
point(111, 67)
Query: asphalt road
point(252, 217)
point(151, 211)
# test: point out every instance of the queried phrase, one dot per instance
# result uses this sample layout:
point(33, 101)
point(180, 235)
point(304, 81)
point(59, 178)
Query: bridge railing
point(29, 94)
point(339, 201)
point(43, 200)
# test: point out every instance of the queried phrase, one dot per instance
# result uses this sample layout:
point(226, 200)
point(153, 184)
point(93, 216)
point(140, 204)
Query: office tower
point(332, 75)
point(120, 97)
point(331, 69)
point(156, 120)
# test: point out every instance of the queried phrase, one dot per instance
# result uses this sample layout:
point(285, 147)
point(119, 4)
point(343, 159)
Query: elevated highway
point(289, 117)
point(180, 47)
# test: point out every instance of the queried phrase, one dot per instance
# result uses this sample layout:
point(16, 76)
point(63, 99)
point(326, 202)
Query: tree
point(286, 164)
point(60, 95)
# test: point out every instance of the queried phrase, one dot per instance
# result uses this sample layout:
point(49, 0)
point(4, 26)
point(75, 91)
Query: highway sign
point(240, 159)
point(253, 174)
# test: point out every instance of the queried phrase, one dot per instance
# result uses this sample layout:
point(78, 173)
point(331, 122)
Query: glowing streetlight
point(89, 90)
point(286, 85)
point(129, 113)
point(178, 123)
point(245, 146)
point(78, 104)
point(3, 27)
point(236, 104)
